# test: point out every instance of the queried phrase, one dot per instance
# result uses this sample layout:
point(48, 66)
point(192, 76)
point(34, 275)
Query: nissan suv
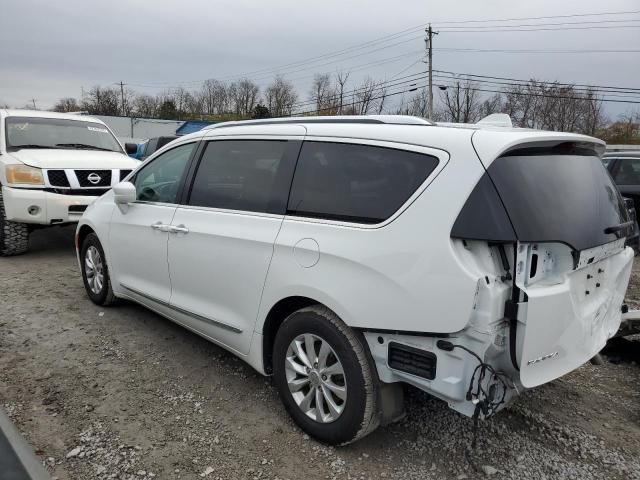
point(52, 166)
point(347, 256)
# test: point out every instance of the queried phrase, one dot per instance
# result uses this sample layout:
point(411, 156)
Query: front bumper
point(40, 207)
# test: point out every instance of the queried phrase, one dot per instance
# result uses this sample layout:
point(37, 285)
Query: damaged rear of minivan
point(546, 214)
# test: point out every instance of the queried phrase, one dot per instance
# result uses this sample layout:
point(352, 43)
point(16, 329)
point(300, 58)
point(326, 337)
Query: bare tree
point(280, 97)
point(102, 101)
point(146, 106)
point(363, 97)
point(341, 82)
point(322, 92)
point(215, 97)
point(461, 103)
point(493, 104)
point(67, 104)
point(244, 97)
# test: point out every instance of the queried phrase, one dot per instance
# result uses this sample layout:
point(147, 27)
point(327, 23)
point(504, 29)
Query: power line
point(578, 90)
point(545, 82)
point(355, 68)
point(408, 79)
point(595, 27)
point(582, 22)
point(630, 12)
point(390, 37)
point(385, 95)
point(509, 50)
point(530, 94)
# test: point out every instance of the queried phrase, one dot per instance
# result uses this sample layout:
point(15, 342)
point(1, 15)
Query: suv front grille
point(124, 173)
point(58, 178)
point(85, 178)
point(412, 360)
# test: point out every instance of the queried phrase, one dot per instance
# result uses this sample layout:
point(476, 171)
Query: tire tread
point(14, 236)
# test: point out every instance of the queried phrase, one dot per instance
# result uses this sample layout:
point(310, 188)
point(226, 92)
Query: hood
point(68, 158)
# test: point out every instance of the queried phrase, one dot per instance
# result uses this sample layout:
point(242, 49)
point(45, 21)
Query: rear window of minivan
point(355, 183)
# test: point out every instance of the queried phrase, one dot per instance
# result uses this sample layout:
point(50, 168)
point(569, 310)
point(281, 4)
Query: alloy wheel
point(315, 377)
point(94, 269)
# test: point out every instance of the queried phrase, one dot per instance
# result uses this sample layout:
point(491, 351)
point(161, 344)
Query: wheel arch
point(274, 319)
point(82, 233)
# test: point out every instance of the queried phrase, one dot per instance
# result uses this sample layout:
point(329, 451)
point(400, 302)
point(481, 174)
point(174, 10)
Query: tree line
point(532, 104)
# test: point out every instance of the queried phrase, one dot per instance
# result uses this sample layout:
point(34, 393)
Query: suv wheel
point(324, 376)
point(95, 272)
point(14, 237)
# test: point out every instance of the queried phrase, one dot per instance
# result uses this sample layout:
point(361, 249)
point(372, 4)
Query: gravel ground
point(123, 393)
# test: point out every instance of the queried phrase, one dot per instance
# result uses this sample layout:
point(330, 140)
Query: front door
point(139, 231)
point(222, 240)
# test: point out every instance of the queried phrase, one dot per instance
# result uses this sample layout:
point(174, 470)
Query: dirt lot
point(123, 393)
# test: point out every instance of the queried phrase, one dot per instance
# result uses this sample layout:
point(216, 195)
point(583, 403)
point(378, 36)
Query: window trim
point(442, 156)
point(292, 151)
point(183, 178)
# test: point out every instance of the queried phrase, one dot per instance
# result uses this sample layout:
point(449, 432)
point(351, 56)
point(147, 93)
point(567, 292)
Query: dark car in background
point(152, 145)
point(624, 167)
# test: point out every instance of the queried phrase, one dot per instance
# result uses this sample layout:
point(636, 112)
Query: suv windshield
point(31, 132)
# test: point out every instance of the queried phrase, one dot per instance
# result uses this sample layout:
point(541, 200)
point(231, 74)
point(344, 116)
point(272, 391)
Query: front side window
point(355, 183)
point(159, 180)
point(31, 132)
point(628, 171)
point(245, 175)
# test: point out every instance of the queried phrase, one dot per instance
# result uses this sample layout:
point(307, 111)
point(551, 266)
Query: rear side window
point(628, 171)
point(246, 175)
point(355, 183)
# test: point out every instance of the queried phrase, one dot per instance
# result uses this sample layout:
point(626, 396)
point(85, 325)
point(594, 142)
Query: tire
point(359, 410)
point(95, 272)
point(14, 237)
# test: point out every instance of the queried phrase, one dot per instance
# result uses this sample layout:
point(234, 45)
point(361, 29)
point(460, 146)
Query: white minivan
point(52, 165)
point(348, 256)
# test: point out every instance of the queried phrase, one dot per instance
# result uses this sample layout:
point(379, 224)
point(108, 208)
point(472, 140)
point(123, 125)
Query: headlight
point(23, 174)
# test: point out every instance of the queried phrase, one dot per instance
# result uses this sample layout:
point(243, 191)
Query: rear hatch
point(571, 266)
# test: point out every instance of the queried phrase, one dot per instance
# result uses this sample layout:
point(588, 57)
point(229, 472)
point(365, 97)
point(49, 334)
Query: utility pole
point(429, 45)
point(122, 96)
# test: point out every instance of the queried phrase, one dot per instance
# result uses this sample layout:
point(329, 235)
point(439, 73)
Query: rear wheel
point(14, 237)
point(95, 272)
point(324, 376)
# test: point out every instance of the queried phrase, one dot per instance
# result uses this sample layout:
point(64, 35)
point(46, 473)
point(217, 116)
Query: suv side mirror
point(124, 193)
point(131, 148)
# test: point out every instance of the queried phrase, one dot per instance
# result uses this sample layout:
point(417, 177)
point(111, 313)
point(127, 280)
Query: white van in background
point(52, 165)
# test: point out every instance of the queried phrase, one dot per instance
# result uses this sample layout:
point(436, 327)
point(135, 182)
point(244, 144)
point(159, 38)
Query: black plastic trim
point(413, 358)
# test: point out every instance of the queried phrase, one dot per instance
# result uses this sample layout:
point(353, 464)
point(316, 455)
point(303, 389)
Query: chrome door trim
point(196, 316)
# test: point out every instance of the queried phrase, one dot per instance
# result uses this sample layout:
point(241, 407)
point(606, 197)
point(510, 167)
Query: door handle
point(178, 229)
point(161, 226)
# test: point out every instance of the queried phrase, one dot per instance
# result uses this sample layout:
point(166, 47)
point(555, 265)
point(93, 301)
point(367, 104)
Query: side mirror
point(124, 193)
point(131, 148)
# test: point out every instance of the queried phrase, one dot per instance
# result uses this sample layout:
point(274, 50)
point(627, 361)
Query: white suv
point(52, 166)
point(349, 255)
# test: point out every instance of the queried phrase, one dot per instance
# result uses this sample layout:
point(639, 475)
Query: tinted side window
point(355, 183)
point(628, 171)
point(159, 180)
point(242, 175)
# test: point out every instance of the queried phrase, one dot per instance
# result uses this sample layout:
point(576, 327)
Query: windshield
point(31, 132)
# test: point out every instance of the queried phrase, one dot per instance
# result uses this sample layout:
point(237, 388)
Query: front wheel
point(14, 237)
point(324, 376)
point(95, 272)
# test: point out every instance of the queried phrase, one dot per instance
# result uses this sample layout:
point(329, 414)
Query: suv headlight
point(24, 174)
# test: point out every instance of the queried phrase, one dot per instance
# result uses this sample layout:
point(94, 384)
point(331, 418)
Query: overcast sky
point(52, 49)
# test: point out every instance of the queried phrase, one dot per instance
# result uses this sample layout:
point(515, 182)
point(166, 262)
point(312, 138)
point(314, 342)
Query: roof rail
point(360, 119)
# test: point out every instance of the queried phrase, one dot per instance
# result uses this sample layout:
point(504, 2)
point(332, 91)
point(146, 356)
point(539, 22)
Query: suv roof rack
point(361, 119)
